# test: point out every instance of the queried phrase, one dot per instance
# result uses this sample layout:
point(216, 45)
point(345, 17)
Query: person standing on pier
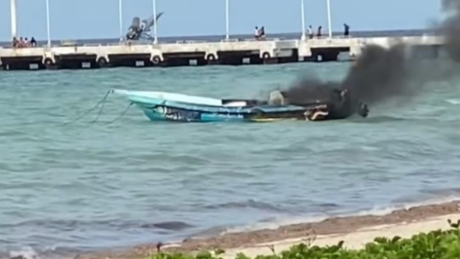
point(319, 31)
point(310, 32)
point(21, 42)
point(33, 42)
point(262, 32)
point(15, 42)
point(346, 32)
point(256, 33)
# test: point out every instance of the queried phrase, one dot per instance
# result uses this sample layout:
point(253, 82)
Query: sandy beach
point(354, 230)
point(353, 240)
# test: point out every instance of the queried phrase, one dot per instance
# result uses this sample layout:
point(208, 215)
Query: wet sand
point(354, 230)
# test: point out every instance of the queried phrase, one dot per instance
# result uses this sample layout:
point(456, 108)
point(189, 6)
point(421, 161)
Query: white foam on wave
point(25, 253)
point(28, 252)
point(375, 211)
point(370, 148)
point(453, 101)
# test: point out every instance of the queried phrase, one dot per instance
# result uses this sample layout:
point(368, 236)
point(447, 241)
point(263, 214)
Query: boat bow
point(155, 97)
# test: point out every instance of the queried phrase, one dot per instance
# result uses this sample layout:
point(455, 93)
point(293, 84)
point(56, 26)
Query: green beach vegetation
point(439, 244)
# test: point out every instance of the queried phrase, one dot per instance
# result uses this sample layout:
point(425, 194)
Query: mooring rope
point(121, 115)
point(103, 100)
point(99, 113)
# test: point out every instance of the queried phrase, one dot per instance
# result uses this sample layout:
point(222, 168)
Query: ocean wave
point(83, 225)
point(377, 210)
point(246, 204)
point(169, 225)
point(453, 101)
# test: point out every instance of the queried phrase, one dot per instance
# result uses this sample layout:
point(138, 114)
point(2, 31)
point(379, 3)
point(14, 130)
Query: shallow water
point(85, 186)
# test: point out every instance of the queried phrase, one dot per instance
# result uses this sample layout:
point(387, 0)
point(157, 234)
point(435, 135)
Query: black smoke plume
point(380, 73)
point(450, 28)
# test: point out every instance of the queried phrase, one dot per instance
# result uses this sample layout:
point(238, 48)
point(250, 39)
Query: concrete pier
point(136, 54)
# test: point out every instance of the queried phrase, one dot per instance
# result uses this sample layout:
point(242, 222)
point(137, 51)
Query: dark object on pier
point(141, 30)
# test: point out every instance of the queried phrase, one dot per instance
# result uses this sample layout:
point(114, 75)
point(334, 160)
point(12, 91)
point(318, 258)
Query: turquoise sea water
point(89, 186)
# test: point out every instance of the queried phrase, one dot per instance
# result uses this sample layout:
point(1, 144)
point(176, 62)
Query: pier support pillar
point(49, 64)
point(212, 57)
point(268, 57)
point(156, 58)
point(102, 61)
point(303, 51)
point(266, 54)
point(326, 55)
point(355, 51)
point(49, 61)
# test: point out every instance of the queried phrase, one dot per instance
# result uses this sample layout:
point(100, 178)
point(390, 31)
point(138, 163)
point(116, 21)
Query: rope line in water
point(102, 101)
point(90, 110)
point(121, 115)
point(100, 111)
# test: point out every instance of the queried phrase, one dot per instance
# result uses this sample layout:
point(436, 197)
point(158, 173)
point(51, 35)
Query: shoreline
point(355, 230)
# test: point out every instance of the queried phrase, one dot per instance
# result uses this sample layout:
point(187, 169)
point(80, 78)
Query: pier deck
point(137, 54)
